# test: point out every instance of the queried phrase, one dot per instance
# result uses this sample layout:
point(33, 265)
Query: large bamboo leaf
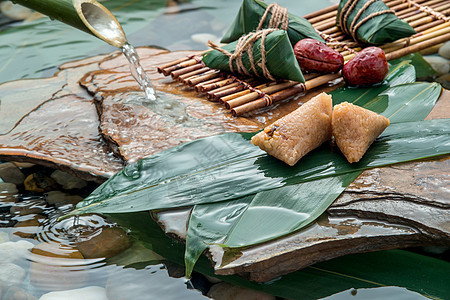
point(267, 215)
point(146, 186)
point(281, 211)
point(425, 275)
point(227, 166)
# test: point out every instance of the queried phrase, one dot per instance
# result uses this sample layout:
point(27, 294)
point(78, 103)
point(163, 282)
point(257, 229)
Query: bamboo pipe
point(86, 15)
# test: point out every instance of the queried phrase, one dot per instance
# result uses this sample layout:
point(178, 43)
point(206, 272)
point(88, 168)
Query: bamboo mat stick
point(428, 26)
point(183, 77)
point(425, 14)
point(417, 47)
point(225, 99)
point(198, 87)
point(285, 93)
point(215, 85)
point(184, 64)
point(254, 95)
point(179, 72)
point(426, 20)
point(204, 79)
point(231, 91)
point(321, 11)
point(416, 39)
point(161, 68)
point(213, 94)
point(201, 77)
point(413, 10)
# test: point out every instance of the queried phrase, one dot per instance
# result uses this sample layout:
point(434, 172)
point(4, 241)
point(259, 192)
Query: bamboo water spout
point(86, 15)
point(93, 18)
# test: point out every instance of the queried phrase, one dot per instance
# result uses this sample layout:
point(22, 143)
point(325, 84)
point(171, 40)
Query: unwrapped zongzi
point(266, 53)
point(293, 136)
point(250, 14)
point(355, 128)
point(371, 21)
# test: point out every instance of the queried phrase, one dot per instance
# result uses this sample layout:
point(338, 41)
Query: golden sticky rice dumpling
point(299, 132)
point(355, 128)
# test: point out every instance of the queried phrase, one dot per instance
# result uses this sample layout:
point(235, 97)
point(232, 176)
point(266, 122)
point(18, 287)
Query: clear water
point(138, 71)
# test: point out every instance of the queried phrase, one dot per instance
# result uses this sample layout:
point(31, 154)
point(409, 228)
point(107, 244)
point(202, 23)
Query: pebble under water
point(42, 258)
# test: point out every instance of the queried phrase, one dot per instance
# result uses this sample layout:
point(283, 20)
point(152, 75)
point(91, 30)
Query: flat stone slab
point(94, 129)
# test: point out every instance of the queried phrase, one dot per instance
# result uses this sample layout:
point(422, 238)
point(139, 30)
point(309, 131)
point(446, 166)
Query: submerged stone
point(39, 183)
point(27, 229)
point(10, 173)
point(86, 293)
point(11, 251)
point(104, 242)
point(439, 64)
point(18, 293)
point(227, 291)
point(56, 267)
point(59, 198)
point(444, 51)
point(68, 181)
point(11, 273)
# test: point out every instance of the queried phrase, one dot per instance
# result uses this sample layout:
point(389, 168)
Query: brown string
point(371, 16)
point(333, 42)
point(428, 10)
point(345, 13)
point(279, 16)
point(354, 26)
point(245, 44)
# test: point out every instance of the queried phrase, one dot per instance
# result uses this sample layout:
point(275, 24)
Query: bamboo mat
point(430, 19)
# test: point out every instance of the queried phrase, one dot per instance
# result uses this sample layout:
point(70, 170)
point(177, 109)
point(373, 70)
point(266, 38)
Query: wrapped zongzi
point(265, 53)
point(371, 21)
point(249, 17)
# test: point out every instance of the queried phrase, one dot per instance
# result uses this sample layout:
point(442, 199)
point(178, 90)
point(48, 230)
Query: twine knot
point(354, 26)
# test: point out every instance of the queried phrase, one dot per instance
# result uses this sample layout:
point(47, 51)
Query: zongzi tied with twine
point(255, 15)
point(264, 53)
point(371, 22)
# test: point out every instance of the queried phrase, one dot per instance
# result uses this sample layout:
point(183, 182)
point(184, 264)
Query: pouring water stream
point(105, 26)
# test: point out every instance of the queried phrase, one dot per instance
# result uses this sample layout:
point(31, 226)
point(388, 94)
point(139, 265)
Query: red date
point(314, 56)
point(366, 68)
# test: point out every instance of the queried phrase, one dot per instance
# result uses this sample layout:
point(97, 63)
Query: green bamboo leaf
point(227, 166)
point(377, 30)
point(397, 268)
point(399, 73)
point(280, 58)
point(145, 189)
point(286, 206)
point(423, 68)
point(247, 20)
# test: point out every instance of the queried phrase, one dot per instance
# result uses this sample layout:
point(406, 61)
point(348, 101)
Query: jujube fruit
point(314, 56)
point(367, 67)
